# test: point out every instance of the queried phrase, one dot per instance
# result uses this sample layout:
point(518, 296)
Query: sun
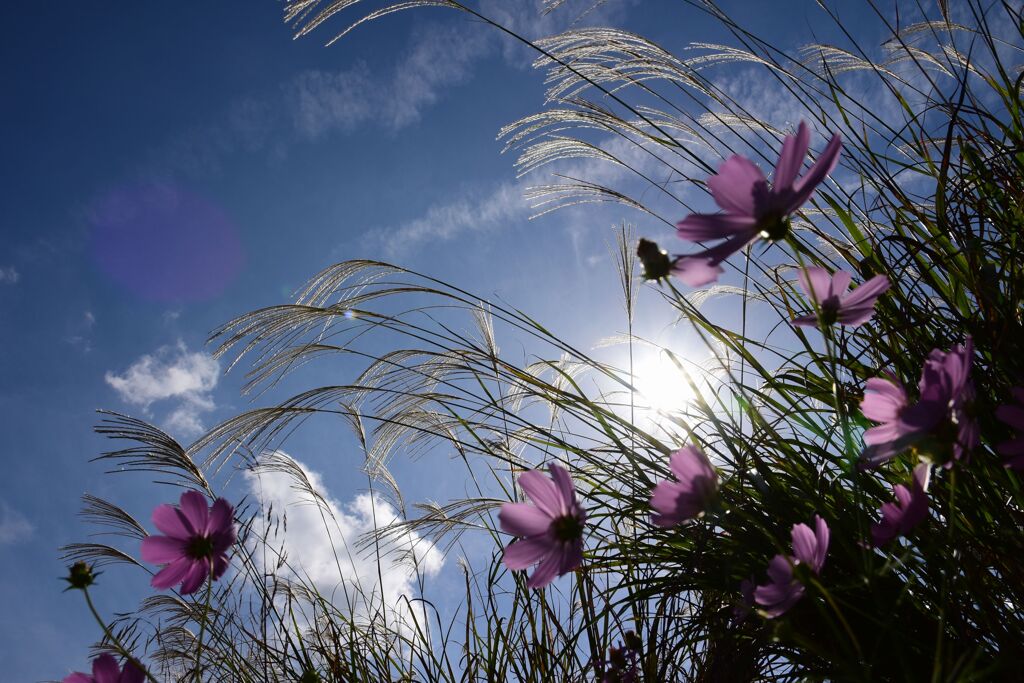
point(661, 387)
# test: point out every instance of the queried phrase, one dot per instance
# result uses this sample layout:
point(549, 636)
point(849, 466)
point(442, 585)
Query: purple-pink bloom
point(552, 528)
point(750, 207)
point(1013, 415)
point(945, 392)
point(742, 609)
point(835, 303)
point(688, 496)
point(106, 670)
point(197, 539)
point(783, 590)
point(909, 510)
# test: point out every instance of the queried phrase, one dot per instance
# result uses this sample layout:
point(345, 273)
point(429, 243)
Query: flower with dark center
point(783, 590)
point(196, 543)
point(836, 302)
point(552, 528)
point(751, 209)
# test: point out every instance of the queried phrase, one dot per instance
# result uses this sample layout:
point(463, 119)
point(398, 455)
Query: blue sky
point(169, 166)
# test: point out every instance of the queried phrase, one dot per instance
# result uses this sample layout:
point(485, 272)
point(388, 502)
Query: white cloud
point(321, 101)
point(479, 212)
point(14, 526)
point(9, 275)
point(172, 372)
point(319, 540)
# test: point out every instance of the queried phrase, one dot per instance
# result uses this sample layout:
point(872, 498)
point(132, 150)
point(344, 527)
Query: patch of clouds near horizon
point(171, 372)
point(14, 526)
point(319, 539)
point(9, 275)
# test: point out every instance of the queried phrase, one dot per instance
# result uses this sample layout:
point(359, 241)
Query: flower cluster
point(783, 590)
point(939, 424)
point(195, 547)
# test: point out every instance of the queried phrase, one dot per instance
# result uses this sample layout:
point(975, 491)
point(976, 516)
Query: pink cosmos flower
point(836, 304)
point(1013, 415)
point(688, 496)
point(909, 510)
point(750, 207)
point(946, 390)
point(106, 670)
point(197, 539)
point(552, 528)
point(783, 590)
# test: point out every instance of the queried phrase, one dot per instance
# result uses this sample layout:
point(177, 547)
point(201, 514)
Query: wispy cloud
point(319, 541)
point(80, 332)
point(171, 373)
point(9, 275)
point(473, 212)
point(322, 101)
point(14, 526)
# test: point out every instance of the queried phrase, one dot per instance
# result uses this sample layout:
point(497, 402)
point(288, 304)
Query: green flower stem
point(122, 650)
point(202, 621)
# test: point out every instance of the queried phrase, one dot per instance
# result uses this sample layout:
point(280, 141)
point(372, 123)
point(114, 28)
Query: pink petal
point(689, 462)
point(823, 535)
point(791, 158)
point(867, 293)
point(563, 483)
point(132, 674)
point(542, 491)
point(805, 186)
point(1011, 415)
point(698, 227)
point(162, 549)
point(733, 186)
point(221, 517)
point(884, 400)
point(664, 499)
point(804, 543)
point(696, 271)
point(572, 557)
point(816, 282)
point(522, 519)
point(172, 573)
point(170, 520)
point(195, 577)
point(853, 317)
point(527, 552)
point(805, 321)
point(195, 509)
point(105, 669)
point(1011, 448)
point(883, 532)
point(220, 565)
point(77, 677)
point(840, 283)
point(780, 570)
point(902, 494)
point(547, 570)
point(223, 540)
